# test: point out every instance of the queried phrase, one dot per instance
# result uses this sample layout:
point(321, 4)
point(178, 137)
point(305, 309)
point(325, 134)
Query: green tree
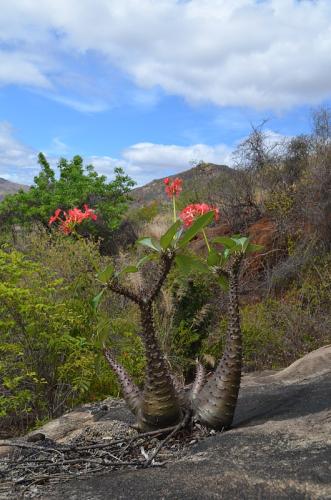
point(76, 185)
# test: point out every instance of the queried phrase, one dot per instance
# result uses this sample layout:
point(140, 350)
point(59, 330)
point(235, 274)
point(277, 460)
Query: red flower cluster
point(173, 188)
point(71, 219)
point(191, 212)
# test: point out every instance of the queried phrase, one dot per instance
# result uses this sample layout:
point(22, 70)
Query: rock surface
point(278, 448)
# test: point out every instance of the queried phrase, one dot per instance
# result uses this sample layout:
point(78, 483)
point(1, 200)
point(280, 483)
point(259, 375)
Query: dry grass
point(158, 226)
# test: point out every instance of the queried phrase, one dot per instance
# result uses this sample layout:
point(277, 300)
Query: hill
point(7, 187)
point(201, 175)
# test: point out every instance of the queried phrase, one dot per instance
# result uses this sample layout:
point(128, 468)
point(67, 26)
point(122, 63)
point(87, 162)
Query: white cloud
point(58, 147)
point(21, 68)
point(79, 105)
point(271, 54)
point(143, 161)
point(147, 161)
point(18, 162)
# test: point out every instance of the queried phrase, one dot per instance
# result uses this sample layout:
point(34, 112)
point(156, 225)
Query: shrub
point(145, 214)
point(277, 331)
point(187, 310)
point(46, 361)
point(77, 185)
point(50, 352)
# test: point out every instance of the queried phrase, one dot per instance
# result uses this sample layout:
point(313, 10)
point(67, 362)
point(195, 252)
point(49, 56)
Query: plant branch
point(166, 262)
point(116, 287)
point(182, 424)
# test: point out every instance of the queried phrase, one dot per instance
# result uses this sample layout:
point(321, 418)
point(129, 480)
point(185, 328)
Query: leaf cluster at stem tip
point(175, 240)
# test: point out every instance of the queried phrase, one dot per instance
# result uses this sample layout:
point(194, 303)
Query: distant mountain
point(7, 187)
point(194, 178)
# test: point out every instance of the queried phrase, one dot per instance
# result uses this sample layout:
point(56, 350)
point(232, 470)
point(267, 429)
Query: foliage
point(50, 334)
point(45, 358)
point(77, 185)
point(50, 354)
point(277, 331)
point(194, 312)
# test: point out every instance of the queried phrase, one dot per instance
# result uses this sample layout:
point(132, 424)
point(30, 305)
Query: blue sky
point(154, 85)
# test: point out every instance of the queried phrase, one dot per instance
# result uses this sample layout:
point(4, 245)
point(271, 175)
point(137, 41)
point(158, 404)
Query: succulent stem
point(198, 381)
point(216, 402)
point(131, 393)
point(160, 405)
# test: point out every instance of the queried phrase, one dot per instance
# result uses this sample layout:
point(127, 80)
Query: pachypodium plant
point(162, 401)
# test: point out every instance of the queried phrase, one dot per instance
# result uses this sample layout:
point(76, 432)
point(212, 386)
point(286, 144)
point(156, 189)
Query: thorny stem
point(166, 262)
point(158, 405)
point(216, 402)
point(116, 287)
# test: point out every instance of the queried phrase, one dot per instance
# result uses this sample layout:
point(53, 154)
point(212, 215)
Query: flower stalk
point(206, 240)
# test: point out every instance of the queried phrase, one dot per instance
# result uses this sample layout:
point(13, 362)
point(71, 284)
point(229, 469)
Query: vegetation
point(77, 185)
point(52, 335)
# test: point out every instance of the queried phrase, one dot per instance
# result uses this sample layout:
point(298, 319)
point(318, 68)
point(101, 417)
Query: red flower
point(55, 216)
point(174, 188)
point(166, 181)
point(89, 213)
point(191, 212)
point(71, 219)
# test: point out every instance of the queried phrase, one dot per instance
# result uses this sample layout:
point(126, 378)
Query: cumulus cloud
point(263, 54)
point(143, 161)
point(147, 161)
point(18, 162)
point(161, 159)
point(21, 68)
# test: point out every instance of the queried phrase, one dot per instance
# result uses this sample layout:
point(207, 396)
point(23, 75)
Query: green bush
point(277, 331)
point(51, 357)
point(46, 360)
point(76, 185)
point(145, 213)
point(187, 311)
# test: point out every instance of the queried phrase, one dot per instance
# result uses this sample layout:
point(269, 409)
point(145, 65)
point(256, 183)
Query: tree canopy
point(75, 186)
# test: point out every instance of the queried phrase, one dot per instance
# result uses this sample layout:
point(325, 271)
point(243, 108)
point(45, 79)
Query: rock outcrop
point(279, 446)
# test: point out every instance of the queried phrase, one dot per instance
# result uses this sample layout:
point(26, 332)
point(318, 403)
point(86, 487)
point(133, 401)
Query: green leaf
point(226, 253)
point(129, 269)
point(186, 264)
point(213, 258)
point(251, 248)
point(150, 243)
point(168, 237)
point(97, 299)
point(243, 242)
point(226, 241)
point(106, 274)
point(199, 224)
